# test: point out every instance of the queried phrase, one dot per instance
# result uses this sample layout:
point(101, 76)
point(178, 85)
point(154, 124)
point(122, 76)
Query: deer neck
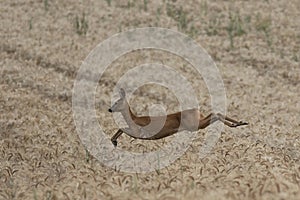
point(128, 114)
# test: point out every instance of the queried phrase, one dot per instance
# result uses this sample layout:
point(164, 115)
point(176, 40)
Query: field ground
point(255, 44)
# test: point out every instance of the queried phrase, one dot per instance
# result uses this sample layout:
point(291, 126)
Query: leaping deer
point(157, 127)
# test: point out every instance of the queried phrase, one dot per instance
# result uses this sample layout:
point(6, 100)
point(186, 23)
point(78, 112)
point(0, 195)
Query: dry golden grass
point(256, 45)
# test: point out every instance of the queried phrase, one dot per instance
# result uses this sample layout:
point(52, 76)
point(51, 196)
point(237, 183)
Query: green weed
point(46, 5)
point(213, 25)
point(158, 165)
point(235, 27)
point(179, 15)
point(193, 32)
point(145, 5)
point(81, 25)
point(30, 24)
point(87, 156)
point(108, 2)
point(264, 25)
point(158, 14)
point(295, 58)
point(204, 7)
point(130, 4)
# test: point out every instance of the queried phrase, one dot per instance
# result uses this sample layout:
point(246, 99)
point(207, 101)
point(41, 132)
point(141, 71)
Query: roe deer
point(163, 126)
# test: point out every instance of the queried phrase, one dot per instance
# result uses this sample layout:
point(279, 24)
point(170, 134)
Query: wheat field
point(256, 46)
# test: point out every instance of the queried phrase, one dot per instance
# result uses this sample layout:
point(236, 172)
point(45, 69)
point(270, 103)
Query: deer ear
point(122, 92)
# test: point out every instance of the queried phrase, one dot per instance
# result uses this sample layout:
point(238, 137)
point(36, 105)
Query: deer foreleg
point(116, 136)
point(133, 131)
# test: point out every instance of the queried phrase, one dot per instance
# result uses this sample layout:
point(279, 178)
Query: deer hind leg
point(211, 118)
point(206, 121)
point(231, 122)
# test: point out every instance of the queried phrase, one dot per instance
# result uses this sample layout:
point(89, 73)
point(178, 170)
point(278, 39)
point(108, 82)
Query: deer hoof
point(243, 123)
point(115, 143)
